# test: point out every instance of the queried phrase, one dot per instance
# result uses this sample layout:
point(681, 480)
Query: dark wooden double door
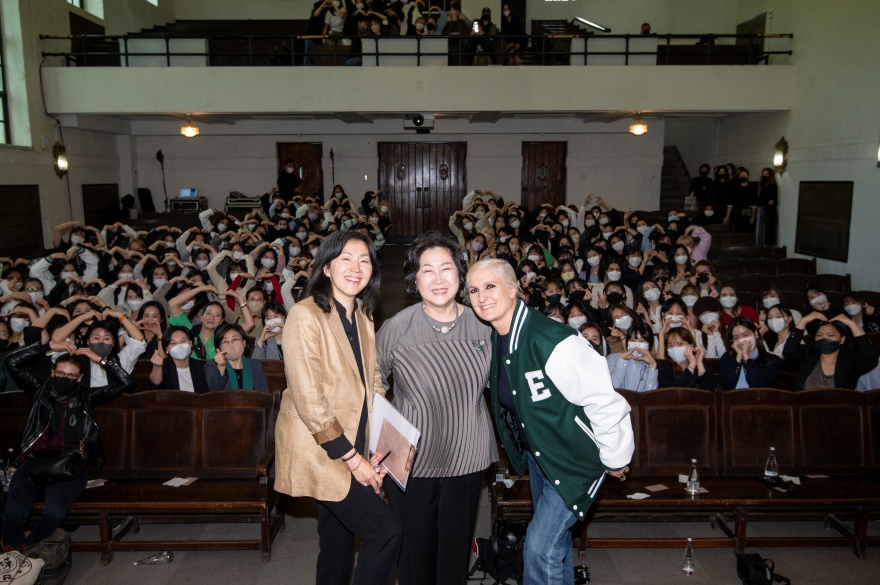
point(309, 160)
point(543, 173)
point(425, 182)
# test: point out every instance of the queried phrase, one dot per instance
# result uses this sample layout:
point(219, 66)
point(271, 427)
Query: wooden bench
point(834, 432)
point(225, 439)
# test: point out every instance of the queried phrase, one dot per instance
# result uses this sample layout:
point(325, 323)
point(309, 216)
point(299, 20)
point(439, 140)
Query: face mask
point(126, 275)
point(853, 309)
point(221, 228)
point(672, 218)
point(76, 240)
point(301, 235)
point(18, 324)
point(383, 208)
point(643, 229)
point(135, 304)
point(635, 261)
point(313, 216)
point(603, 221)
point(652, 294)
point(171, 263)
point(35, 296)
point(728, 302)
point(180, 351)
point(681, 260)
point(564, 223)
point(708, 213)
point(776, 324)
point(553, 298)
point(614, 298)
point(614, 275)
point(66, 274)
point(827, 346)
point(530, 276)
point(289, 170)
point(375, 29)
point(624, 322)
point(606, 235)
point(313, 252)
point(567, 275)
point(707, 318)
point(676, 354)
point(689, 300)
point(503, 239)
point(702, 278)
point(770, 302)
point(237, 255)
point(233, 275)
point(188, 306)
point(590, 222)
point(294, 252)
point(593, 260)
point(514, 247)
point(159, 282)
point(576, 321)
point(534, 258)
point(201, 264)
point(477, 246)
point(102, 349)
point(643, 345)
point(617, 246)
point(267, 263)
point(675, 321)
point(557, 318)
point(820, 300)
point(64, 386)
point(468, 226)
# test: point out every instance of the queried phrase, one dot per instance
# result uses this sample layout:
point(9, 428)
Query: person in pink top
point(699, 251)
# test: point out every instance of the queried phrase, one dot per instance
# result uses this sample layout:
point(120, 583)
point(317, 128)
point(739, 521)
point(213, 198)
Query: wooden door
point(424, 183)
point(21, 229)
point(543, 173)
point(309, 159)
point(101, 204)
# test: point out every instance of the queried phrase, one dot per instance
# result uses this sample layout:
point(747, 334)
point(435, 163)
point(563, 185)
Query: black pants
point(438, 515)
point(361, 513)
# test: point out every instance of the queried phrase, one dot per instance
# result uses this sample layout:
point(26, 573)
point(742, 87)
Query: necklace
point(444, 329)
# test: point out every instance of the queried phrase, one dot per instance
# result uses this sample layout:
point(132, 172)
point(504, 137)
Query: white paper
point(180, 481)
point(638, 496)
point(93, 483)
point(382, 411)
point(792, 478)
point(682, 479)
point(656, 487)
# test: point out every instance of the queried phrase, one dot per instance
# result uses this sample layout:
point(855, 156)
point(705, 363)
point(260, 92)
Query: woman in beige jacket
point(332, 372)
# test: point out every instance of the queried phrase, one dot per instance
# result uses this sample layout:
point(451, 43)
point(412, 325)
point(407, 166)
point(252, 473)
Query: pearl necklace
point(444, 329)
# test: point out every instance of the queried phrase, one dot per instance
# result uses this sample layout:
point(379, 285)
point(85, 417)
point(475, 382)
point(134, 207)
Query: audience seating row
point(824, 432)
point(745, 264)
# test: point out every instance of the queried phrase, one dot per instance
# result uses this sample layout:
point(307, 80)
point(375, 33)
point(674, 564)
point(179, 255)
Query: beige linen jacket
point(323, 399)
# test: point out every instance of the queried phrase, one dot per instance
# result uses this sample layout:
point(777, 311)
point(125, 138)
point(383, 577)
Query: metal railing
point(266, 50)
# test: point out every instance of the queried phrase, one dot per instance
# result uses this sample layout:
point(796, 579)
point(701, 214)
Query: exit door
point(543, 173)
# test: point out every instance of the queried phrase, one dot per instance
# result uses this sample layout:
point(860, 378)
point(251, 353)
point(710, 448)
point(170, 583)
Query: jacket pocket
point(586, 429)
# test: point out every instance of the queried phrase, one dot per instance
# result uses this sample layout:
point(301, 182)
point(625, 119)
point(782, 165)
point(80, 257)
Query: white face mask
point(652, 294)
point(681, 260)
point(221, 228)
point(770, 302)
point(187, 306)
point(514, 224)
point(820, 300)
point(468, 226)
point(604, 221)
point(530, 276)
point(289, 170)
point(276, 324)
point(67, 274)
point(313, 252)
point(590, 222)
point(18, 324)
point(643, 229)
point(180, 351)
point(614, 275)
point(564, 223)
point(635, 261)
point(606, 235)
point(557, 318)
point(135, 304)
point(383, 208)
point(709, 213)
point(689, 300)
point(577, 321)
point(643, 345)
point(776, 324)
point(126, 275)
point(233, 275)
point(506, 13)
point(707, 318)
point(675, 321)
point(237, 255)
point(853, 309)
point(159, 282)
point(201, 264)
point(301, 235)
point(624, 322)
point(76, 240)
point(617, 246)
point(593, 260)
point(35, 296)
point(728, 302)
point(676, 354)
point(267, 262)
point(294, 252)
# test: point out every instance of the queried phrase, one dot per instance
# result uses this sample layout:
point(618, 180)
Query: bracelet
point(242, 305)
point(121, 317)
point(350, 458)
point(356, 466)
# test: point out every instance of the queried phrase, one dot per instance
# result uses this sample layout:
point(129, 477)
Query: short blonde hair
point(501, 268)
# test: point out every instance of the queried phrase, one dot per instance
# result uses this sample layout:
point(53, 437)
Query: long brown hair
point(685, 335)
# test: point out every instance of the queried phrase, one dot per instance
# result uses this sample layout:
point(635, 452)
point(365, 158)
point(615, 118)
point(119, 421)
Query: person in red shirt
point(733, 308)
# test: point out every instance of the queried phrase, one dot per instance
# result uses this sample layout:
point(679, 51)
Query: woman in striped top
point(438, 354)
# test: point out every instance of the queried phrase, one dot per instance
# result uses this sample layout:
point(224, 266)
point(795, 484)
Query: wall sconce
point(189, 129)
point(59, 153)
point(780, 155)
point(638, 127)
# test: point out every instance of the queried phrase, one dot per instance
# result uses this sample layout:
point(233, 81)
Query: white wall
point(695, 139)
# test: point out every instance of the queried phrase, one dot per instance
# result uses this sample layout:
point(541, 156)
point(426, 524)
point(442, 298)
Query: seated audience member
point(619, 320)
point(152, 324)
point(862, 313)
point(712, 333)
point(268, 344)
point(650, 304)
point(733, 308)
point(213, 315)
point(836, 354)
point(818, 301)
point(635, 369)
point(173, 368)
point(777, 329)
point(746, 364)
point(231, 369)
point(771, 296)
point(682, 366)
point(592, 332)
point(705, 280)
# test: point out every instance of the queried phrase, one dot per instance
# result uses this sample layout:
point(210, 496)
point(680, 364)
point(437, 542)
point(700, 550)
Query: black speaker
point(145, 197)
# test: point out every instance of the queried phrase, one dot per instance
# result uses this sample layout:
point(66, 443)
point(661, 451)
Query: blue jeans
point(547, 554)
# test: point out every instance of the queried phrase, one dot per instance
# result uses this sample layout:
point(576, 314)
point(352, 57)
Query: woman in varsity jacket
point(557, 414)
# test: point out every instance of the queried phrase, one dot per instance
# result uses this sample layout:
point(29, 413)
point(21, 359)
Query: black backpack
point(501, 555)
point(753, 569)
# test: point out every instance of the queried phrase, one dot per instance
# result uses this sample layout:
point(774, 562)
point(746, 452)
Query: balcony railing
point(285, 51)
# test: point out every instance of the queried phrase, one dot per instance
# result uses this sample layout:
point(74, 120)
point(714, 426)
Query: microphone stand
point(333, 168)
point(161, 158)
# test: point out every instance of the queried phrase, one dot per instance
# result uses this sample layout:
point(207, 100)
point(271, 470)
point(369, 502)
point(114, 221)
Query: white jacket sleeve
point(582, 376)
point(40, 271)
point(204, 219)
point(91, 261)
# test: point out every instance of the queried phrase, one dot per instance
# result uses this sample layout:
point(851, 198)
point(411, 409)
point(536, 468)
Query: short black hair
point(428, 241)
point(319, 286)
point(166, 335)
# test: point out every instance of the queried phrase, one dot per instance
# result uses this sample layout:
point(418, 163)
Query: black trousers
point(438, 516)
point(361, 513)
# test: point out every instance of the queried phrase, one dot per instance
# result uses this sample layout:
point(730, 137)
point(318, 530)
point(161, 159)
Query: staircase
point(674, 179)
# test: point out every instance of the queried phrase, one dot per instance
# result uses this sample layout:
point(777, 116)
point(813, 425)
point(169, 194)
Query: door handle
point(426, 202)
point(418, 197)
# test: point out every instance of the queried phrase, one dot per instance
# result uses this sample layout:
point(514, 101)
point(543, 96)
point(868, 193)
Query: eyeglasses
point(228, 342)
point(32, 289)
point(67, 375)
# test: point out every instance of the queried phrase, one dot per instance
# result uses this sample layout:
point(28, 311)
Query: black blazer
point(851, 365)
point(686, 379)
point(218, 382)
point(757, 376)
point(170, 380)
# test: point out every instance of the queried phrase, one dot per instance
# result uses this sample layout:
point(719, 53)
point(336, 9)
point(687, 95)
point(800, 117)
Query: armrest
point(265, 464)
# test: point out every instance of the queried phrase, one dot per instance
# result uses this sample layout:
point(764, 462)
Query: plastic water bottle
point(693, 482)
point(687, 562)
point(771, 468)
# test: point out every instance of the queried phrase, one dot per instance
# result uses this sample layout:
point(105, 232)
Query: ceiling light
point(189, 129)
point(638, 127)
point(598, 27)
point(59, 153)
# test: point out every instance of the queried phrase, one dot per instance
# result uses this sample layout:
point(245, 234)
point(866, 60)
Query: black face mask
point(702, 278)
point(102, 349)
point(664, 247)
point(743, 181)
point(65, 386)
point(596, 347)
point(722, 177)
point(553, 298)
point(614, 298)
point(704, 173)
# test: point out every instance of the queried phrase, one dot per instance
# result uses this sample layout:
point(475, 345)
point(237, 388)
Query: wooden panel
point(543, 173)
point(21, 230)
point(223, 430)
point(16, 406)
point(164, 439)
point(113, 429)
point(873, 415)
point(309, 156)
point(101, 204)
point(832, 436)
point(677, 435)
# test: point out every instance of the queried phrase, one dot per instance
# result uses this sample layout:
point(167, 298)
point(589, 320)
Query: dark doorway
point(21, 227)
point(543, 173)
point(309, 159)
point(101, 204)
point(93, 52)
point(425, 183)
point(755, 26)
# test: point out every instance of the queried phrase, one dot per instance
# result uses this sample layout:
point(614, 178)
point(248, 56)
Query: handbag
point(54, 465)
point(17, 569)
point(753, 569)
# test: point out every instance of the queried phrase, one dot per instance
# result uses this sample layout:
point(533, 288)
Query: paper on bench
point(682, 478)
point(656, 487)
point(390, 431)
point(638, 496)
point(792, 478)
point(93, 483)
point(180, 481)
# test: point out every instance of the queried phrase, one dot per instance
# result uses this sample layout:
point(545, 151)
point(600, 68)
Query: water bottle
point(687, 562)
point(693, 481)
point(771, 468)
